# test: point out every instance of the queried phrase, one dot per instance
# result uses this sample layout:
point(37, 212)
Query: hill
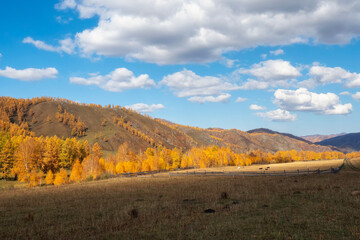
point(111, 126)
point(265, 130)
point(240, 141)
point(346, 143)
point(318, 138)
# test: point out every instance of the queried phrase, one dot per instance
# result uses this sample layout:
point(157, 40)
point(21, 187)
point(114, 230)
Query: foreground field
point(300, 207)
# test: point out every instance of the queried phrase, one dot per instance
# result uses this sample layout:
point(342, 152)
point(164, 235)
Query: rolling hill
point(111, 126)
point(346, 143)
point(265, 130)
point(318, 138)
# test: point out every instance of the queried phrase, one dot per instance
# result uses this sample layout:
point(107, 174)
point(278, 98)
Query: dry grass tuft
point(224, 195)
point(133, 213)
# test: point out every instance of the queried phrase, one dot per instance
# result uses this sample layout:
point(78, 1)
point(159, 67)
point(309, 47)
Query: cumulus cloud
point(172, 32)
point(356, 96)
point(321, 75)
point(118, 80)
point(345, 93)
point(240, 99)
point(256, 107)
point(202, 99)
point(28, 74)
point(145, 108)
point(270, 73)
point(304, 100)
point(353, 81)
point(200, 88)
point(278, 115)
point(277, 52)
point(65, 45)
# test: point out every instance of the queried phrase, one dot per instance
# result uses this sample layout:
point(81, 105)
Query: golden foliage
point(49, 179)
point(61, 177)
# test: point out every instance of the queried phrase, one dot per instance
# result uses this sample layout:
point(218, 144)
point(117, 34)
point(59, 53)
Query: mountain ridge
point(347, 143)
point(111, 126)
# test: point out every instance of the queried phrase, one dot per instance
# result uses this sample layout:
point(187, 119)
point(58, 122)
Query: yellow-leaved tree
point(76, 172)
point(49, 177)
point(61, 177)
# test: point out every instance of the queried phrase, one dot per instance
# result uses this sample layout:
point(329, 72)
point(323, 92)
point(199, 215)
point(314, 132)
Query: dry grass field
point(298, 207)
point(275, 167)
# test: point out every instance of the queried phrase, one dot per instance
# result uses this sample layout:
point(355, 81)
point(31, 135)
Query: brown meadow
point(298, 207)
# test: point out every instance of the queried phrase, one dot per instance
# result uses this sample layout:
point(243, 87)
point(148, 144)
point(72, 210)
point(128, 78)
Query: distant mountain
point(347, 143)
point(269, 131)
point(319, 138)
point(111, 126)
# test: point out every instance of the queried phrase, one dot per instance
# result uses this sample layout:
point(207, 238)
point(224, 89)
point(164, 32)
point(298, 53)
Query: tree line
point(53, 160)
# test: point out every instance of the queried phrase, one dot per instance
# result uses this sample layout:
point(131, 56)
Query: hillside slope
point(347, 143)
point(240, 141)
point(111, 126)
point(318, 138)
point(265, 130)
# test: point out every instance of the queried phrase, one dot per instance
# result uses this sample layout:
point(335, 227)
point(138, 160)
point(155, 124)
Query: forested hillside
point(41, 139)
point(110, 126)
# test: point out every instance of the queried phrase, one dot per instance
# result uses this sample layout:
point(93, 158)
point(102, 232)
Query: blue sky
point(284, 65)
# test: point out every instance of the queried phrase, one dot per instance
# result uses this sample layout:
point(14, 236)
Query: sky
point(291, 66)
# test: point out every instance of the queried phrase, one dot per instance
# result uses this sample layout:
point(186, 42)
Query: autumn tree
point(91, 165)
point(27, 157)
point(61, 177)
point(76, 172)
point(7, 159)
point(49, 179)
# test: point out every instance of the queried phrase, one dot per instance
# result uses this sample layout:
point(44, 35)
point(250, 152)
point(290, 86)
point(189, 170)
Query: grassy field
point(299, 207)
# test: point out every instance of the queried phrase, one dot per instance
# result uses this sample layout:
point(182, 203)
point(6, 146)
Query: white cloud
point(353, 81)
point(256, 107)
point(278, 115)
point(173, 32)
point(118, 80)
point(277, 52)
point(263, 56)
point(320, 75)
point(240, 99)
point(272, 70)
point(252, 84)
point(63, 20)
point(64, 4)
point(345, 93)
point(229, 62)
point(202, 99)
point(272, 73)
point(303, 100)
point(29, 74)
point(40, 44)
point(145, 108)
point(356, 96)
point(65, 45)
point(188, 84)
